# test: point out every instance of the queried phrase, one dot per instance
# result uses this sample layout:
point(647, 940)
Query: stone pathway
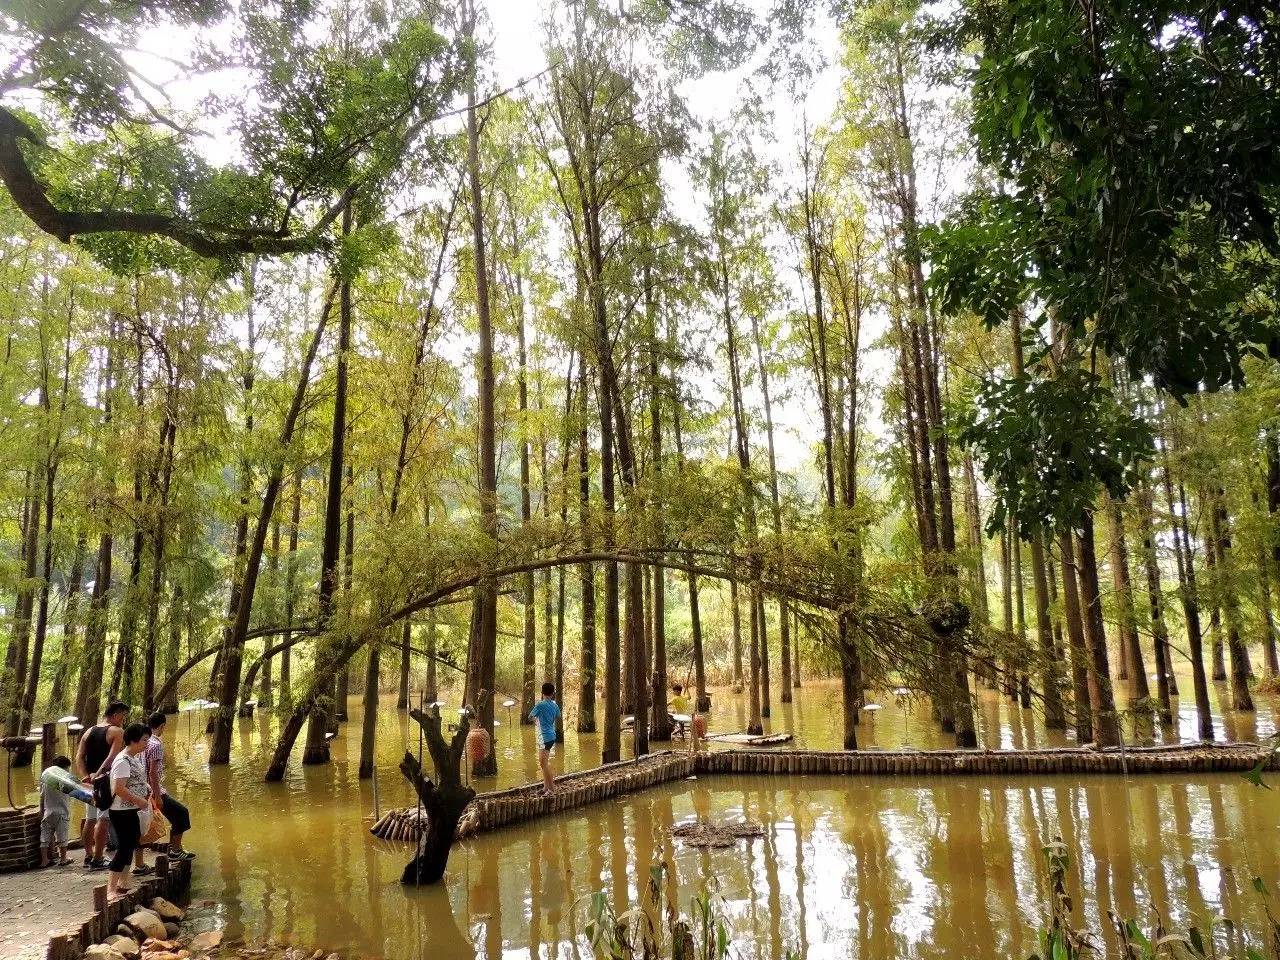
point(37, 904)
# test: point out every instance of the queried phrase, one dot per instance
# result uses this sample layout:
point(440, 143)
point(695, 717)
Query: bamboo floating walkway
point(522, 804)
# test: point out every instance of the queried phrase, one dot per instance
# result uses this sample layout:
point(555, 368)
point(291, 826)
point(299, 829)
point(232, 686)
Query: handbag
point(102, 790)
point(156, 829)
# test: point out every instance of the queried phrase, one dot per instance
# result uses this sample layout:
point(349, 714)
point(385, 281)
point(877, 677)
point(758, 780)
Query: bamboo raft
point(751, 739)
point(490, 811)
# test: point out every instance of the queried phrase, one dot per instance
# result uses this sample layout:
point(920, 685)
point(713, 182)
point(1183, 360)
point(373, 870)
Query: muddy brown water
point(874, 868)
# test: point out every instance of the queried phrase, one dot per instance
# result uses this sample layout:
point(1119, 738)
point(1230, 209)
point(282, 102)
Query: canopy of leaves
point(1136, 150)
point(1050, 445)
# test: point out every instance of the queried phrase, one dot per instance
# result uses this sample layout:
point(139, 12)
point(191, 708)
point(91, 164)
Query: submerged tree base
point(443, 801)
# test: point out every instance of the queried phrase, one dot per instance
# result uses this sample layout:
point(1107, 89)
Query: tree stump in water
point(443, 799)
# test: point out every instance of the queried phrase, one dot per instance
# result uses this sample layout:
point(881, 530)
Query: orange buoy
point(477, 744)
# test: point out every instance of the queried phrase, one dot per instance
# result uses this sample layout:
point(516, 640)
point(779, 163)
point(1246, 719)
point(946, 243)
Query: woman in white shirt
point(130, 805)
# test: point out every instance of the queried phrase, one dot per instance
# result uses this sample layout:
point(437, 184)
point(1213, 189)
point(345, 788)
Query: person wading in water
point(98, 747)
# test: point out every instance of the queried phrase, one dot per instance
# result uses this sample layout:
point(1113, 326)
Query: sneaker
point(143, 871)
point(98, 865)
point(182, 855)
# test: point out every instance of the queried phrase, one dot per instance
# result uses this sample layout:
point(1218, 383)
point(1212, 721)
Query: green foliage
point(1050, 446)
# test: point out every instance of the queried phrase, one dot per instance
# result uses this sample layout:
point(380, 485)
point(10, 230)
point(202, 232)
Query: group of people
point(122, 765)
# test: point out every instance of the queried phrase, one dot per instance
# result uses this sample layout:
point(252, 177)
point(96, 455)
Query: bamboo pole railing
point(499, 808)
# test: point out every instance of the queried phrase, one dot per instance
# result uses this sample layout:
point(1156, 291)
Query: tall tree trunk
point(232, 652)
point(526, 513)
point(1106, 727)
point(1217, 650)
point(483, 646)
point(1054, 718)
point(1075, 638)
point(339, 714)
point(1159, 631)
point(316, 749)
point(700, 700)
point(290, 577)
point(1241, 699)
point(1189, 594)
point(89, 692)
point(586, 571)
point(1139, 689)
point(13, 678)
point(775, 503)
point(68, 655)
point(661, 720)
point(159, 543)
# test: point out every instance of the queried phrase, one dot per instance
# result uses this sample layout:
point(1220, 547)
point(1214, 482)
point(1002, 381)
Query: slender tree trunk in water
point(266, 685)
point(238, 567)
point(1010, 679)
point(406, 640)
point(483, 646)
point(316, 750)
point(89, 691)
point(430, 685)
point(1159, 631)
point(764, 655)
point(1241, 699)
point(1273, 510)
point(176, 603)
point(1106, 726)
point(974, 541)
point(661, 726)
point(850, 688)
point(700, 700)
point(236, 635)
point(1217, 651)
point(290, 577)
point(48, 474)
point(1054, 718)
point(775, 503)
point(343, 695)
point(1272, 666)
point(1019, 585)
point(737, 635)
point(526, 513)
point(1075, 638)
point(1190, 597)
point(755, 725)
point(13, 679)
point(369, 722)
point(69, 655)
point(795, 647)
point(1139, 688)
point(586, 571)
point(158, 545)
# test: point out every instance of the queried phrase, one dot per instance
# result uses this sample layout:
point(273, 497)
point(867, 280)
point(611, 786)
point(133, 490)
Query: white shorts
point(54, 827)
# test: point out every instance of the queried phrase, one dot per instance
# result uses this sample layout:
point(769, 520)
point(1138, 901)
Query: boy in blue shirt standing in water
point(544, 714)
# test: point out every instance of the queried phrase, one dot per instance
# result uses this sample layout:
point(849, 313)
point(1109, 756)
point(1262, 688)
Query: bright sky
point(515, 28)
